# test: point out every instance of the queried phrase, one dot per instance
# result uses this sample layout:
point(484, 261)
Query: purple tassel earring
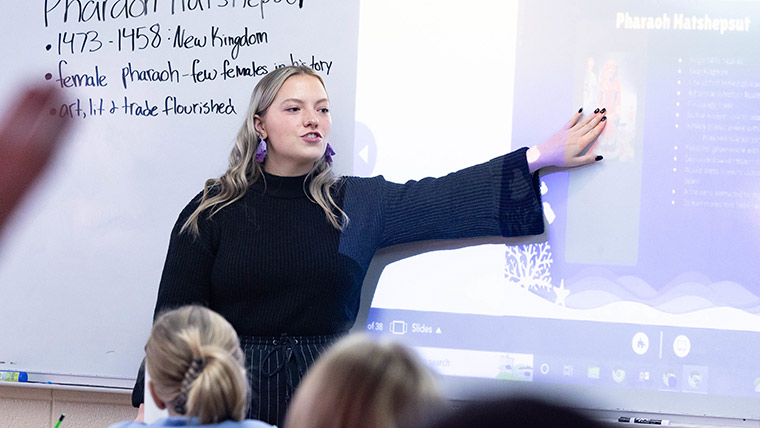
point(261, 151)
point(329, 153)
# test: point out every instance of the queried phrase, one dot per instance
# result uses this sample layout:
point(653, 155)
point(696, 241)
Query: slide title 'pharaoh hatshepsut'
point(680, 21)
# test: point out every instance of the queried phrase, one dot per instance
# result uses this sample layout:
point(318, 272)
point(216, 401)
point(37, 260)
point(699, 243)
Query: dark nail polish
point(596, 111)
point(598, 158)
point(603, 110)
point(603, 118)
point(580, 109)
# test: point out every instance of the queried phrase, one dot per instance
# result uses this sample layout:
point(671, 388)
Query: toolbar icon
point(567, 370)
point(695, 379)
point(618, 375)
point(640, 343)
point(682, 346)
point(545, 369)
point(593, 372)
point(398, 327)
point(670, 379)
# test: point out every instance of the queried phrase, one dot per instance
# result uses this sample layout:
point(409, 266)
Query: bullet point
point(48, 76)
point(677, 115)
point(678, 104)
point(674, 170)
point(679, 71)
point(48, 47)
point(672, 202)
point(676, 126)
point(675, 159)
point(679, 82)
point(678, 92)
point(674, 191)
point(680, 60)
point(675, 147)
point(52, 112)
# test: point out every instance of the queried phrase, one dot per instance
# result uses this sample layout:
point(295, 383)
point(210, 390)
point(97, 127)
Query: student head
point(515, 412)
point(364, 383)
point(290, 111)
point(195, 363)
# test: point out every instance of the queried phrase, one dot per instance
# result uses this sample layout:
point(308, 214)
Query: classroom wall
point(25, 407)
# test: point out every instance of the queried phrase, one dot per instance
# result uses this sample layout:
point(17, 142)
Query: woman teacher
point(280, 246)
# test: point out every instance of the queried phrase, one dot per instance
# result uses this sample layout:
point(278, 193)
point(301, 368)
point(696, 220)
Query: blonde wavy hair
point(196, 365)
point(364, 383)
point(243, 169)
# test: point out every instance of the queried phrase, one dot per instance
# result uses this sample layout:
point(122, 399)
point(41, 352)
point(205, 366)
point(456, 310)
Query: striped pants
point(275, 368)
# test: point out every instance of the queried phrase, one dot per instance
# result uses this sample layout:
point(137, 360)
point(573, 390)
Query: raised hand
point(570, 146)
point(29, 135)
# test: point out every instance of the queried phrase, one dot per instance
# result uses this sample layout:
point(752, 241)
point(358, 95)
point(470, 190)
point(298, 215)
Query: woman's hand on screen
point(571, 145)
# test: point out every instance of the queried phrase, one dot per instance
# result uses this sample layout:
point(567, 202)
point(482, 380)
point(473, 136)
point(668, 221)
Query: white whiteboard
point(80, 265)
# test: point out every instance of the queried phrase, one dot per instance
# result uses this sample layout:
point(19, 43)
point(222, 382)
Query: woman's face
point(295, 126)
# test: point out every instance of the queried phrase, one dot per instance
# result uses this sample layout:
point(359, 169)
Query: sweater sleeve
point(496, 198)
point(186, 277)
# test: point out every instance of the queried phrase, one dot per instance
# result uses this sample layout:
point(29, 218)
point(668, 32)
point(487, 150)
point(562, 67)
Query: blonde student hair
point(364, 383)
point(196, 367)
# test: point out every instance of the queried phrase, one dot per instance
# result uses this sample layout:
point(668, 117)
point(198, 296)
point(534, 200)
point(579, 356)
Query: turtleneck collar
point(281, 187)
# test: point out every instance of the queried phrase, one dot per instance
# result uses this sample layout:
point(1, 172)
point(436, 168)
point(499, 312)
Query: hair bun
point(196, 367)
point(189, 353)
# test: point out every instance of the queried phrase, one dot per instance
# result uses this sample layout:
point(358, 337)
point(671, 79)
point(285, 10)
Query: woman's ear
point(258, 124)
point(159, 403)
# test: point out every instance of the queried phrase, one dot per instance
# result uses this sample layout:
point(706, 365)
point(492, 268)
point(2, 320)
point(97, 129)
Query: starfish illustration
point(561, 293)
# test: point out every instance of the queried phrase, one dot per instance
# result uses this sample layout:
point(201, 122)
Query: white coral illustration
point(528, 266)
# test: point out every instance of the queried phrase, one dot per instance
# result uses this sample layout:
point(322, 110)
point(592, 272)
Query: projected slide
point(646, 278)
point(671, 220)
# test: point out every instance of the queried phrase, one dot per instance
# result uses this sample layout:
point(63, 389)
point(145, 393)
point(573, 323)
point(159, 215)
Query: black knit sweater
point(270, 263)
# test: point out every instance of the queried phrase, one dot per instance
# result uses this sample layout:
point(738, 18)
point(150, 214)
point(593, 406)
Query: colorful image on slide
point(607, 83)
